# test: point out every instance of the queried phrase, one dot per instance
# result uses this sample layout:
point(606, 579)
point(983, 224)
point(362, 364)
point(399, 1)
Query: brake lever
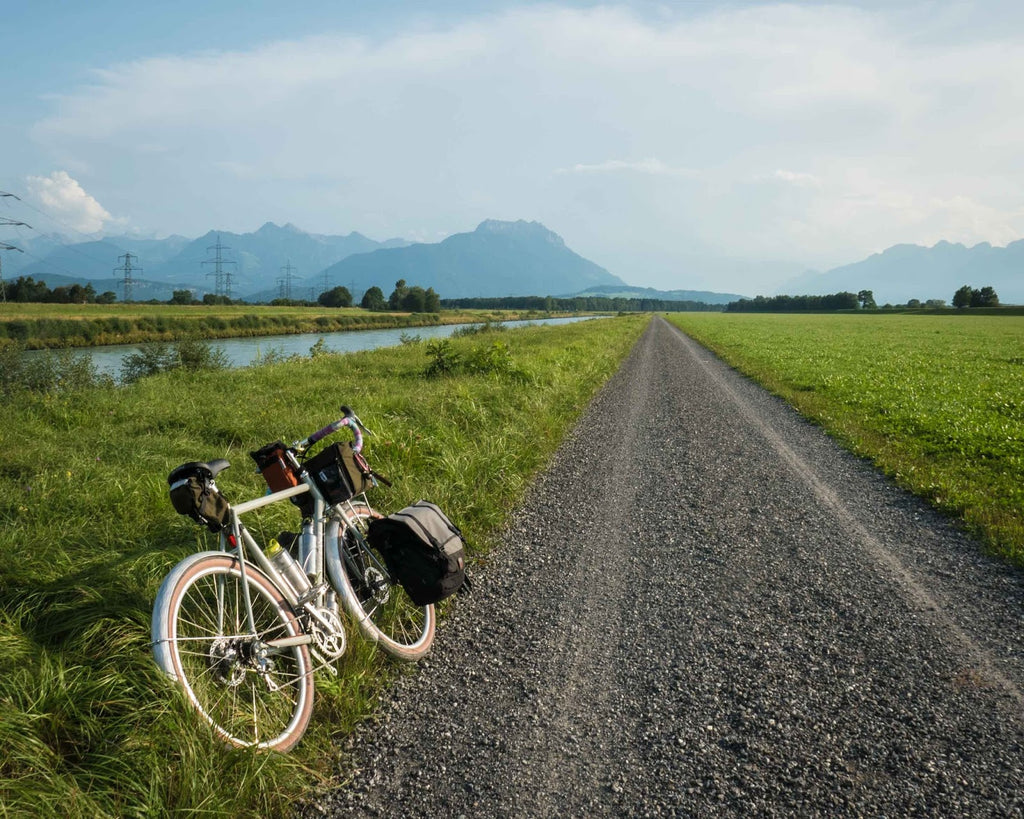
point(348, 413)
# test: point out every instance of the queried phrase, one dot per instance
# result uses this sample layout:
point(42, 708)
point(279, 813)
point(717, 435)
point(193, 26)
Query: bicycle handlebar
point(350, 420)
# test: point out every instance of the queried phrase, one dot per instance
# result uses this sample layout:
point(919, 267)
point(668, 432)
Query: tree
point(336, 297)
point(106, 297)
point(181, 297)
point(962, 297)
point(397, 295)
point(867, 300)
point(414, 300)
point(986, 297)
point(373, 299)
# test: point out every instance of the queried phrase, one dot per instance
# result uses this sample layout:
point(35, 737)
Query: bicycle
point(243, 629)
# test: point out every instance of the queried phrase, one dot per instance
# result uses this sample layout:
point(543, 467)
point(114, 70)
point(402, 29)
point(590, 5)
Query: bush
point(188, 354)
point(46, 372)
point(444, 357)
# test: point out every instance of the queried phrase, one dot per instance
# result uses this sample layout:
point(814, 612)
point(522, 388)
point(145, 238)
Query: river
point(241, 352)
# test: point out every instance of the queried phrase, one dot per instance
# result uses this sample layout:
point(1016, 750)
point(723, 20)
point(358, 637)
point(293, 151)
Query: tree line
point(27, 289)
point(579, 304)
point(797, 304)
point(966, 296)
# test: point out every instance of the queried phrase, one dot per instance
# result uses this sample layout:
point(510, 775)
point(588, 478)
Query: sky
point(722, 146)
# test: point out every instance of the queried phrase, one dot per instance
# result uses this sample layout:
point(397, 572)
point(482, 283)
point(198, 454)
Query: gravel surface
point(706, 608)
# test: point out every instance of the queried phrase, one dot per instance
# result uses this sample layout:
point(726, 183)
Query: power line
point(5, 246)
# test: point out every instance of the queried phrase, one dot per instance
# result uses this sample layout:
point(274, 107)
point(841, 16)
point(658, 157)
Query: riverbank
point(63, 326)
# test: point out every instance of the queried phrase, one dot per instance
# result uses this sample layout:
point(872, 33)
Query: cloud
point(808, 132)
point(796, 178)
point(68, 203)
point(654, 167)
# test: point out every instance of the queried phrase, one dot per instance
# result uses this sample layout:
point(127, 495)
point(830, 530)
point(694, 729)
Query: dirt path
point(707, 608)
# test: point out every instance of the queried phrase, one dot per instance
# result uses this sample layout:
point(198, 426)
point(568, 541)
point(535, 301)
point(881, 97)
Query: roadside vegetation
point(88, 726)
point(936, 401)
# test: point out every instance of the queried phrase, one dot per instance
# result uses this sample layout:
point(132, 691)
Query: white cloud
point(654, 167)
point(797, 178)
point(68, 203)
point(809, 132)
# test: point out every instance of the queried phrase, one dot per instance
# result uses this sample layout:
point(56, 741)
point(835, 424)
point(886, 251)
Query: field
point(88, 727)
point(935, 401)
point(39, 326)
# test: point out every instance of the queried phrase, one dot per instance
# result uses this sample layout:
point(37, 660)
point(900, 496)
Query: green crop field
point(935, 401)
point(88, 726)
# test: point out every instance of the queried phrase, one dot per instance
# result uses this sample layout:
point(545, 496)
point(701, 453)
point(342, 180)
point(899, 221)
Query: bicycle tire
point(382, 610)
point(201, 639)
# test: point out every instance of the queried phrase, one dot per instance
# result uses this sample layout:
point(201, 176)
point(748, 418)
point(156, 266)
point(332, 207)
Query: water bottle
point(288, 567)
point(309, 549)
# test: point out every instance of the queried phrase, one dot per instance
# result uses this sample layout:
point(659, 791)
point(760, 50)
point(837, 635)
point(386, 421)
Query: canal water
point(241, 352)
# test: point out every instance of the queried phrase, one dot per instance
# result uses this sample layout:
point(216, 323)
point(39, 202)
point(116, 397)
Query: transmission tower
point(3, 246)
point(127, 269)
point(221, 277)
point(285, 282)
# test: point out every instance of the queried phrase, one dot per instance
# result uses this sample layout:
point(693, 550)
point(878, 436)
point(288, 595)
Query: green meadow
point(88, 727)
point(936, 401)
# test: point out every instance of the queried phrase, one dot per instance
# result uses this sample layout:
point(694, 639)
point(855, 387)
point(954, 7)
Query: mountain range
point(496, 259)
point(905, 272)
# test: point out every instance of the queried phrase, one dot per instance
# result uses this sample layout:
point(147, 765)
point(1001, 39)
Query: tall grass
point(88, 727)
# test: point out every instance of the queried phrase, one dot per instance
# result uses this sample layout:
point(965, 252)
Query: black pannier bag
point(193, 494)
point(339, 472)
point(424, 551)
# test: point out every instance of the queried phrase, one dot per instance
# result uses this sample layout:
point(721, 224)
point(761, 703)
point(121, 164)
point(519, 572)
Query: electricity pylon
point(222, 277)
point(285, 282)
point(127, 269)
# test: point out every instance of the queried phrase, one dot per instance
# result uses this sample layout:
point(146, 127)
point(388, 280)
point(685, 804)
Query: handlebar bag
point(194, 494)
point(277, 472)
point(339, 472)
point(423, 550)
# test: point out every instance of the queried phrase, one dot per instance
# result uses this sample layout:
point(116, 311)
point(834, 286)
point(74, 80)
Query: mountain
point(629, 292)
point(255, 261)
point(260, 259)
point(497, 259)
point(905, 272)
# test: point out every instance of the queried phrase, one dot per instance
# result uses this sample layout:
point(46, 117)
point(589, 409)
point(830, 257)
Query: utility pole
point(285, 282)
point(127, 269)
point(221, 277)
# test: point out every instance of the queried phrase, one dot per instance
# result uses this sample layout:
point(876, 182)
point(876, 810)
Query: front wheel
point(384, 612)
point(254, 687)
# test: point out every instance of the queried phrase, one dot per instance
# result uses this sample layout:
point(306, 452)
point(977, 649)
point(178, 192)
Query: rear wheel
point(254, 688)
point(382, 609)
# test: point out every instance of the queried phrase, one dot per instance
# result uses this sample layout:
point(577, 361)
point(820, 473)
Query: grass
point(936, 401)
point(43, 326)
point(88, 727)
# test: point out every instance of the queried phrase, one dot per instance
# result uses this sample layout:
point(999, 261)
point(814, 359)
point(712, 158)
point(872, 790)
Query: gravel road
point(706, 608)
